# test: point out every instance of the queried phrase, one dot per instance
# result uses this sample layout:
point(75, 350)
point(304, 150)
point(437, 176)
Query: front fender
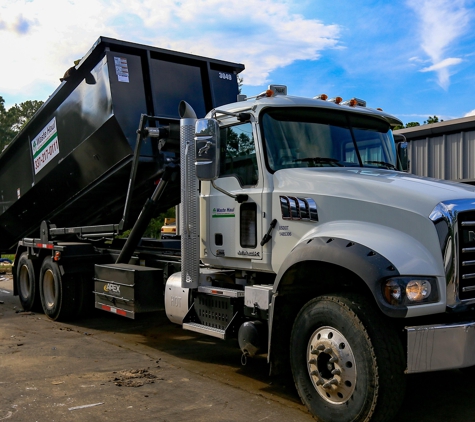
point(367, 264)
point(368, 250)
point(410, 255)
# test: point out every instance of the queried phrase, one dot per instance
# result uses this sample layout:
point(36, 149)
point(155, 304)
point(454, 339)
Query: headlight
point(409, 291)
point(418, 290)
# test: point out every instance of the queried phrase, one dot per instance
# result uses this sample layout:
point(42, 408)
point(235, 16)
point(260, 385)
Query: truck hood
point(378, 186)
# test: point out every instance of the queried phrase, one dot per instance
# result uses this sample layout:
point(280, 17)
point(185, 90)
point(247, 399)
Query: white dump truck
point(301, 236)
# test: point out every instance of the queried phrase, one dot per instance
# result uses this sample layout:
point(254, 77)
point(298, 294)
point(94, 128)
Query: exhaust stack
point(189, 210)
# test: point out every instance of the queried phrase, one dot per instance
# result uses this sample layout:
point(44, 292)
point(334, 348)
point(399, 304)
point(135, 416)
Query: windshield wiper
point(383, 163)
point(319, 160)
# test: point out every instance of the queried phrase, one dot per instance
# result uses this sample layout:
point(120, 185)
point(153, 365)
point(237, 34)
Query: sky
point(412, 58)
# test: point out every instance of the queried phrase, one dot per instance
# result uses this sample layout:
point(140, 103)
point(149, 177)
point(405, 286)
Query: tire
point(57, 292)
point(348, 364)
point(27, 284)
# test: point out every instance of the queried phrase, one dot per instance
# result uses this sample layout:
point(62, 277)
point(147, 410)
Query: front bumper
point(438, 347)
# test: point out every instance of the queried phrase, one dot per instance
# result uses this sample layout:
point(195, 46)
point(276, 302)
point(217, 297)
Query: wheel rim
point(331, 365)
point(49, 289)
point(25, 282)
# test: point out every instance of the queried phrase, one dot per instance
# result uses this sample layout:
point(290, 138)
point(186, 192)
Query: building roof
point(440, 128)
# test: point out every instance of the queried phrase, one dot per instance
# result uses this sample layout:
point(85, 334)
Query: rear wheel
point(27, 284)
point(348, 365)
point(57, 292)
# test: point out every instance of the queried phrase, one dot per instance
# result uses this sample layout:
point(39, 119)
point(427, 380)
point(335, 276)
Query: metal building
point(444, 150)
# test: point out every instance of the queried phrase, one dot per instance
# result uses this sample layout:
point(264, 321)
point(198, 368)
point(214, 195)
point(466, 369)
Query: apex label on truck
point(45, 146)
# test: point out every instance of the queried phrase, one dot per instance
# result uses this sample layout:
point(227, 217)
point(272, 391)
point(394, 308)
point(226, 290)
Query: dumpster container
point(71, 163)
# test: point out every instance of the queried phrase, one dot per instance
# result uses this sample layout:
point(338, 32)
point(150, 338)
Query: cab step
point(204, 329)
point(215, 312)
point(221, 291)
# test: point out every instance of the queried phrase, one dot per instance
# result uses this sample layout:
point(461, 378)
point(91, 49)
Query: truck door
point(235, 229)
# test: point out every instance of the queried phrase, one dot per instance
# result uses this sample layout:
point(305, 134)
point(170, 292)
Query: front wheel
point(348, 365)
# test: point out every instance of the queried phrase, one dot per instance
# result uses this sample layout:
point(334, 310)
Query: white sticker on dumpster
point(121, 69)
point(45, 146)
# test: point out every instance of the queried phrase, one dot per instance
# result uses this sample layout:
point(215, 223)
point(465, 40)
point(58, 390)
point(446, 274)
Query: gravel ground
point(106, 368)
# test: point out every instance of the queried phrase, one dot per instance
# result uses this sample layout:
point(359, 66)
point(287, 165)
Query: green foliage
point(239, 144)
point(13, 119)
point(430, 120)
point(240, 81)
point(154, 227)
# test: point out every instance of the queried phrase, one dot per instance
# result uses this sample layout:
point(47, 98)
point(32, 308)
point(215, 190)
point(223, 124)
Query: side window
point(238, 154)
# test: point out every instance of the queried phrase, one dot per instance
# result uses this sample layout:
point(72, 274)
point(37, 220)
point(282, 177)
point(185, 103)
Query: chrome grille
point(466, 261)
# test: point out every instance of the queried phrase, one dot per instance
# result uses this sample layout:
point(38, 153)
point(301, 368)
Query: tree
point(155, 225)
point(410, 124)
point(21, 113)
point(431, 120)
point(239, 144)
point(14, 119)
point(240, 81)
point(6, 132)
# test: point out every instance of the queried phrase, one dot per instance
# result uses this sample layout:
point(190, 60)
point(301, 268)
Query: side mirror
point(401, 145)
point(207, 148)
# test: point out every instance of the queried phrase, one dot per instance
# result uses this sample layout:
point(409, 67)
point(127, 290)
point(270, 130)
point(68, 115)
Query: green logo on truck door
point(223, 213)
point(45, 146)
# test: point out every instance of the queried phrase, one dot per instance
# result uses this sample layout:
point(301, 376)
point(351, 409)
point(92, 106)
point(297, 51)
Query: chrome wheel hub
point(49, 289)
point(331, 365)
point(25, 282)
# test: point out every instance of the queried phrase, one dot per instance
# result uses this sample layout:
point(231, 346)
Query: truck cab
point(309, 211)
point(298, 161)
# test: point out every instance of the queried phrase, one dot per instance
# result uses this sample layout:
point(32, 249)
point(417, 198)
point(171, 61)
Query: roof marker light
point(336, 100)
point(355, 102)
point(268, 93)
point(323, 97)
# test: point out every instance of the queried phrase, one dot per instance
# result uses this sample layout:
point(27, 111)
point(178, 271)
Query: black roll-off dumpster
point(71, 163)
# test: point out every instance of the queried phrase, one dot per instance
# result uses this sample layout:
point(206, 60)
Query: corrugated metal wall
point(449, 157)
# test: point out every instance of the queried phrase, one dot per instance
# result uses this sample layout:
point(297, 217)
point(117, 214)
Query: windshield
point(311, 137)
